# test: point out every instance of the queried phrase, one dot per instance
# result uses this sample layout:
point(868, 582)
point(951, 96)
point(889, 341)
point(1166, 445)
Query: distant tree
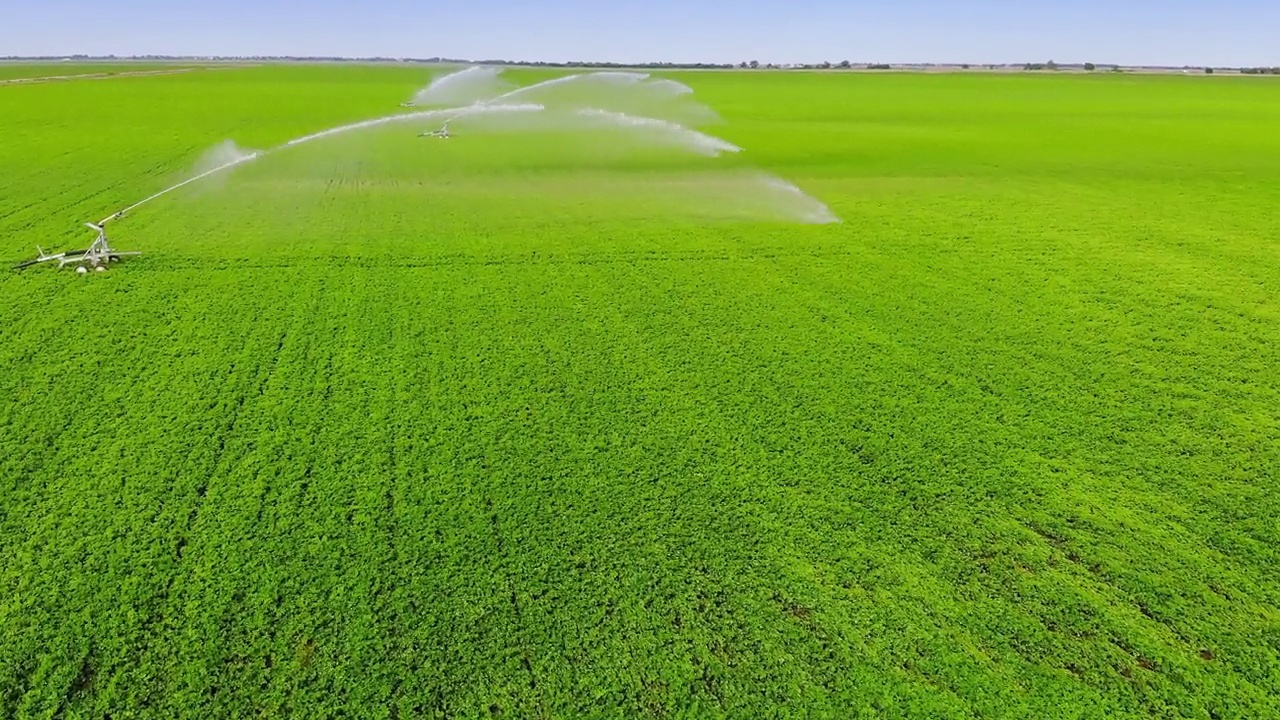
point(1051, 65)
point(1208, 71)
point(844, 64)
point(755, 64)
point(825, 65)
point(743, 65)
point(1090, 67)
point(878, 66)
point(964, 66)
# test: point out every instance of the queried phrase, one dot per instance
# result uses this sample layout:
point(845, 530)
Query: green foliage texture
point(396, 428)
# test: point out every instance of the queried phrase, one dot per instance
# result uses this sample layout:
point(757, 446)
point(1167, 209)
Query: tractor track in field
point(239, 264)
point(110, 75)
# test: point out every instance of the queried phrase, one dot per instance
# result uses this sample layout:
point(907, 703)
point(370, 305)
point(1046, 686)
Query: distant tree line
point(744, 65)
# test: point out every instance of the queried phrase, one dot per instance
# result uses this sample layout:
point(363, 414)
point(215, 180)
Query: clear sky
point(1172, 32)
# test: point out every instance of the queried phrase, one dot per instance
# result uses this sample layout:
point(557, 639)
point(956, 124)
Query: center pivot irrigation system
point(442, 133)
point(471, 92)
point(100, 253)
point(97, 256)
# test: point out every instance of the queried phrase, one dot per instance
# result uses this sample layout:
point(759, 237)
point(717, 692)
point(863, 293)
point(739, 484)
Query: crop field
point(543, 424)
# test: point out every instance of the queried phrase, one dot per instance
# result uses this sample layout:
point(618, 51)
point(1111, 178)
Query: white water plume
point(469, 85)
point(630, 93)
point(732, 195)
point(227, 155)
point(796, 204)
point(646, 109)
point(673, 133)
point(672, 86)
point(729, 195)
point(220, 155)
point(601, 78)
point(224, 156)
point(442, 115)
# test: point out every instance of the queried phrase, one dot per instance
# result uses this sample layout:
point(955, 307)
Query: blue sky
point(1175, 32)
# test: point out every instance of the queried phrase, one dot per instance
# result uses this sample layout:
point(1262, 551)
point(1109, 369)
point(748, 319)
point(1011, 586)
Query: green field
point(392, 428)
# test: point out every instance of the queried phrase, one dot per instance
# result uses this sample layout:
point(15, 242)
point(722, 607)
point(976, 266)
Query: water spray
point(463, 87)
point(184, 183)
point(698, 142)
point(445, 114)
point(487, 96)
point(99, 253)
point(629, 78)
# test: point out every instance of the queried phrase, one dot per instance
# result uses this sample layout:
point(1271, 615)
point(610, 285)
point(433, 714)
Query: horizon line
point(753, 65)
